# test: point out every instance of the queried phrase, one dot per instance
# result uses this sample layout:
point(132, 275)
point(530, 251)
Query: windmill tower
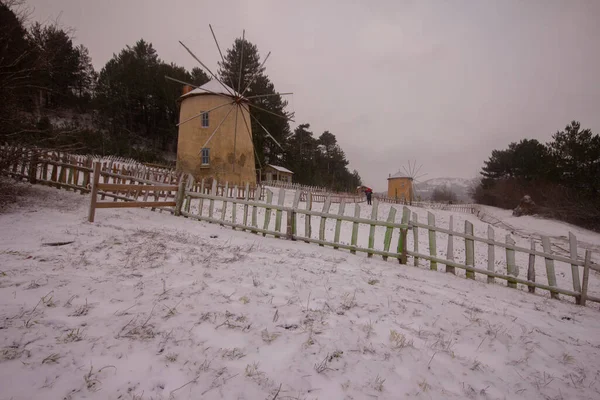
point(215, 130)
point(401, 184)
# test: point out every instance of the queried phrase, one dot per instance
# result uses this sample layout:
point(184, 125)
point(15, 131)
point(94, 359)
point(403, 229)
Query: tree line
point(562, 176)
point(51, 96)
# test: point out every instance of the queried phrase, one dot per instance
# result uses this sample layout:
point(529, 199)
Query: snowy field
point(144, 305)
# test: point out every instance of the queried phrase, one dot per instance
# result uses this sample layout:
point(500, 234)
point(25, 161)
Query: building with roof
point(275, 173)
point(229, 155)
point(400, 187)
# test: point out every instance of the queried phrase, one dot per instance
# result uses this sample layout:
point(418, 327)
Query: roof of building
point(212, 87)
point(399, 174)
point(280, 169)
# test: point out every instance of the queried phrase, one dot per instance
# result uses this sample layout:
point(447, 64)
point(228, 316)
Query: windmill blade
point(256, 73)
point(268, 95)
point(271, 112)
point(265, 129)
point(237, 109)
point(195, 86)
point(250, 136)
point(205, 112)
point(407, 172)
point(209, 71)
point(241, 60)
point(216, 129)
point(219, 48)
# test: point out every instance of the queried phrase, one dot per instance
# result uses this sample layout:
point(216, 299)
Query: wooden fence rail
point(236, 221)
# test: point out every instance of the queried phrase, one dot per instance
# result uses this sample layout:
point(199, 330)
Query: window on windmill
point(205, 156)
point(205, 120)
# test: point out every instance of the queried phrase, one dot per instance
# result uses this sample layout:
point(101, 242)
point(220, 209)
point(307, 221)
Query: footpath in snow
point(144, 305)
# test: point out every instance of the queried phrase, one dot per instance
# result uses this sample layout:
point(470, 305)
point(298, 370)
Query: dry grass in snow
point(144, 305)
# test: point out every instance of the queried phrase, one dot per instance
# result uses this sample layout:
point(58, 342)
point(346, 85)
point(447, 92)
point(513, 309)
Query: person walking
point(369, 194)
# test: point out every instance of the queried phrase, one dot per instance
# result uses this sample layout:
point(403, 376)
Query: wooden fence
point(243, 215)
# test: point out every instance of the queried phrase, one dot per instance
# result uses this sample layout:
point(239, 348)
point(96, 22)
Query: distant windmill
point(233, 156)
point(401, 185)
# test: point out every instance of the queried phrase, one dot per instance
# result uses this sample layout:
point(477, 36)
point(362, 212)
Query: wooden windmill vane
point(211, 116)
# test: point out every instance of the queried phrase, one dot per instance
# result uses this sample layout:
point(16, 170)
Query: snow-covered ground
point(144, 305)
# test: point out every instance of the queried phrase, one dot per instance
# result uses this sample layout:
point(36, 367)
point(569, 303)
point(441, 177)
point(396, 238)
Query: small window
point(205, 120)
point(205, 156)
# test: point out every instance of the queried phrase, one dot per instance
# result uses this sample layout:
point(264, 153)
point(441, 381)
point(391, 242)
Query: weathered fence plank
point(338, 223)
point(415, 230)
point(549, 266)
point(268, 211)
point(278, 213)
point(354, 238)
point(326, 206)
point(450, 248)
point(511, 264)
point(374, 207)
point(491, 254)
point(432, 244)
point(531, 269)
point(307, 218)
point(574, 267)
point(469, 250)
point(387, 240)
point(586, 277)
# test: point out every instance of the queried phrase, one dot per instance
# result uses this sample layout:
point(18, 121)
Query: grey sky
point(440, 82)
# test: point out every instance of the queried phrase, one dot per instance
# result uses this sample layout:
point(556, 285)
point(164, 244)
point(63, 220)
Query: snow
point(398, 174)
point(210, 87)
point(280, 169)
point(145, 305)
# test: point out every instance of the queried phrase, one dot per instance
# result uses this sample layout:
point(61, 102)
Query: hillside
point(460, 186)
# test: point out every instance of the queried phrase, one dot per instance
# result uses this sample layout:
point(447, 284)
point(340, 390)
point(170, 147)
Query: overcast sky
point(440, 82)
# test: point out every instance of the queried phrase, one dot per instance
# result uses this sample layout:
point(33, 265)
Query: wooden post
point(234, 206)
point(374, 208)
point(201, 200)
point(403, 235)
point(491, 254)
point(257, 196)
point(33, 167)
point(326, 206)
point(268, 211)
point(575, 267)
point(469, 250)
point(190, 185)
point(511, 265)
point(549, 266)
point(291, 224)
point(586, 277)
point(246, 197)
point(450, 248)
point(338, 223)
point(180, 197)
point(354, 238)
point(402, 245)
point(295, 204)
point(531, 268)
point(225, 194)
point(94, 193)
point(211, 203)
point(432, 244)
point(387, 240)
point(278, 213)
point(307, 218)
point(415, 230)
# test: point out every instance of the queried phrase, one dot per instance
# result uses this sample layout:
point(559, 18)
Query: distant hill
point(460, 186)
